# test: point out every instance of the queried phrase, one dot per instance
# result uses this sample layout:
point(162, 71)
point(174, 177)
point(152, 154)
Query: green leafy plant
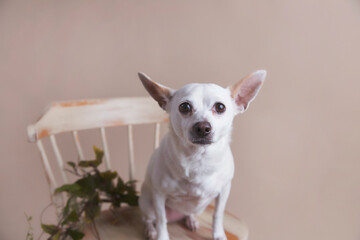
point(86, 195)
point(29, 234)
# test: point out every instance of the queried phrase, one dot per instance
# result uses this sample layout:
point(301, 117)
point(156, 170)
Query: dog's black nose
point(202, 129)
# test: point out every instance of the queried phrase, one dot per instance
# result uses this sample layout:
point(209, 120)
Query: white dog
point(194, 164)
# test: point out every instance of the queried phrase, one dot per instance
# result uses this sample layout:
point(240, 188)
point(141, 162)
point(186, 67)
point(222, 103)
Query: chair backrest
point(92, 114)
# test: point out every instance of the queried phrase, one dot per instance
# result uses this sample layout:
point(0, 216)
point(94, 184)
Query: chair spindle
point(48, 172)
point(58, 158)
point(78, 145)
point(157, 135)
point(131, 153)
point(106, 149)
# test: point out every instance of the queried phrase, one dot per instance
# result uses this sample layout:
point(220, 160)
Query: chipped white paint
point(89, 114)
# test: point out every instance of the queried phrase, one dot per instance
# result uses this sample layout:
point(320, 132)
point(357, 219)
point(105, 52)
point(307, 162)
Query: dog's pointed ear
point(245, 91)
point(159, 92)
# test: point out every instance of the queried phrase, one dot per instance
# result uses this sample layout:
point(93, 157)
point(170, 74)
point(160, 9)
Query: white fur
point(185, 176)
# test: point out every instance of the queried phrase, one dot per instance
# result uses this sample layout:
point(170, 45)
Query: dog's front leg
point(160, 212)
point(218, 217)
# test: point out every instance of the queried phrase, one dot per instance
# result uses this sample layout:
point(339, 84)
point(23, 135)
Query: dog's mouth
point(201, 141)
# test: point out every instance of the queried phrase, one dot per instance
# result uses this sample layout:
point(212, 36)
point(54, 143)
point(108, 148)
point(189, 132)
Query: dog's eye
point(185, 108)
point(219, 107)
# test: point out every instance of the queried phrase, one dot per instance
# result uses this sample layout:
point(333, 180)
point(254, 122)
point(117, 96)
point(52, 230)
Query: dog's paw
point(150, 231)
point(191, 223)
point(219, 235)
point(220, 238)
point(164, 236)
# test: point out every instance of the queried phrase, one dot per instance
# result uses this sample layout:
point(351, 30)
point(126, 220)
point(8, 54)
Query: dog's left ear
point(245, 91)
point(159, 92)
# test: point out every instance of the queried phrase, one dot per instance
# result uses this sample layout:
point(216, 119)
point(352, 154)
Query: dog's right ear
point(244, 91)
point(159, 92)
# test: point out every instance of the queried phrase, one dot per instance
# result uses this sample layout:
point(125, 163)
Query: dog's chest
point(190, 197)
point(193, 190)
point(195, 180)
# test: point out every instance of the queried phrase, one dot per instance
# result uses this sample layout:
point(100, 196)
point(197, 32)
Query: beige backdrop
point(297, 149)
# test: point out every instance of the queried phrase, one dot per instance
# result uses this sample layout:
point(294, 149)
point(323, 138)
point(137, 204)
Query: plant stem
point(97, 235)
point(72, 172)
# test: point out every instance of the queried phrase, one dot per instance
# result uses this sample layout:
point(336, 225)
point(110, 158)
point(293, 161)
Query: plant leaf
point(84, 197)
point(74, 188)
point(92, 207)
point(50, 229)
point(93, 163)
point(75, 235)
point(87, 185)
point(89, 163)
point(72, 217)
point(131, 198)
point(57, 235)
point(105, 181)
point(98, 153)
point(120, 185)
point(109, 175)
point(71, 164)
point(67, 206)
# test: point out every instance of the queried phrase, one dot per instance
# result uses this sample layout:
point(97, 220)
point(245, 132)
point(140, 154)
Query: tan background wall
point(297, 149)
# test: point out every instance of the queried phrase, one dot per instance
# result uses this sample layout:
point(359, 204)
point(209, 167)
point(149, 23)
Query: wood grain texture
point(126, 224)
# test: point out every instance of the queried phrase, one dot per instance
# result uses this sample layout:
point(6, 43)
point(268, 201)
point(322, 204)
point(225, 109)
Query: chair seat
point(125, 223)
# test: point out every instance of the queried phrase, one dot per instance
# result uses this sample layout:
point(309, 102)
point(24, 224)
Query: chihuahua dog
point(194, 164)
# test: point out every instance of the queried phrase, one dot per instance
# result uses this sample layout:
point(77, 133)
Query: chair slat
point(48, 172)
point(57, 199)
point(157, 135)
point(58, 158)
point(131, 153)
point(78, 145)
point(106, 149)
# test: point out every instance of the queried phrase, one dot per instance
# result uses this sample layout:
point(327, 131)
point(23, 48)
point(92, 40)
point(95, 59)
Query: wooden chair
point(98, 114)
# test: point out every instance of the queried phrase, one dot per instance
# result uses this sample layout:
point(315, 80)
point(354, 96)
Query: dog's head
point(202, 114)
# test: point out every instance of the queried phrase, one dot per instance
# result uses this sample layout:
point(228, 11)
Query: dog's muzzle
point(201, 133)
